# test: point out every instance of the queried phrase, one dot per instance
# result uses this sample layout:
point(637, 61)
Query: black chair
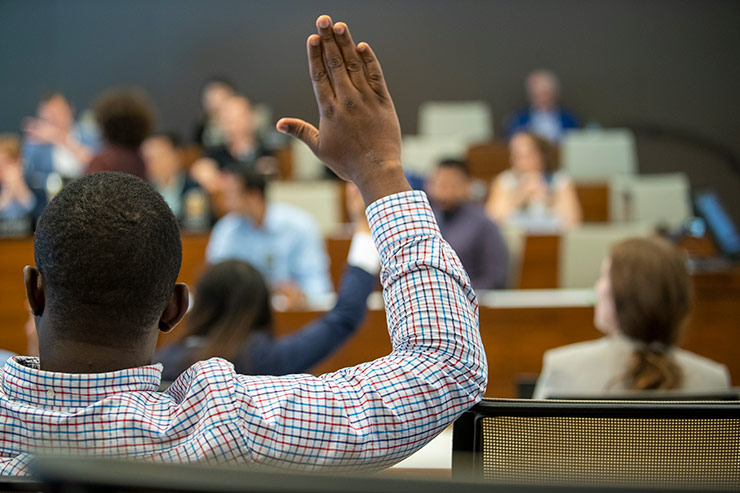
point(600, 443)
point(15, 483)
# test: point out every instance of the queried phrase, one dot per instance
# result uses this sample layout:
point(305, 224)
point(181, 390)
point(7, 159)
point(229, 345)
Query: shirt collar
point(22, 380)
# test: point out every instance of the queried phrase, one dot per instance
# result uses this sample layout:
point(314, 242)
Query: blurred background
point(667, 68)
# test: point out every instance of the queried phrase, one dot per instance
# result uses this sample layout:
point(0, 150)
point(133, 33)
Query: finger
point(352, 60)
point(322, 87)
point(372, 67)
point(333, 56)
point(303, 131)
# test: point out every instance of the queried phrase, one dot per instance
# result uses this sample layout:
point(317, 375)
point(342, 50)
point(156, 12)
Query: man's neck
point(66, 356)
point(257, 214)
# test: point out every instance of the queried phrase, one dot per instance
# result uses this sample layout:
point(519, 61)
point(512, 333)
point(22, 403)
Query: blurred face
point(448, 188)
point(214, 96)
point(58, 112)
point(236, 119)
point(605, 314)
point(524, 155)
point(161, 158)
point(542, 92)
point(237, 199)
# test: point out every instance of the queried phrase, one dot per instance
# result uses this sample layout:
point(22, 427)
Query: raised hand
point(358, 137)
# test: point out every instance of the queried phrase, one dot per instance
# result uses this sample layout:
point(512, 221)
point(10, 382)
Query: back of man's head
point(109, 252)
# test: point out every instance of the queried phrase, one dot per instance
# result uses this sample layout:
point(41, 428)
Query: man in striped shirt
point(108, 254)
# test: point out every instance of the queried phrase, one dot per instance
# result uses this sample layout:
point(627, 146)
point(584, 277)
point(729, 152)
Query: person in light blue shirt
point(283, 242)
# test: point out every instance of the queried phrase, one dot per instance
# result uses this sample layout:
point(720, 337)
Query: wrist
point(386, 179)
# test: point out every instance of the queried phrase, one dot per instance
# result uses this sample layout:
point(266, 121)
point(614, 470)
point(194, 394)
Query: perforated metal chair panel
point(572, 450)
point(645, 444)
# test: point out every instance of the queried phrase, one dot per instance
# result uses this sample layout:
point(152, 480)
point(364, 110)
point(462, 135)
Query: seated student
point(643, 299)
point(108, 254)
point(16, 199)
point(242, 146)
point(188, 201)
point(475, 238)
point(208, 132)
point(531, 194)
point(232, 319)
point(56, 149)
point(126, 119)
point(282, 241)
point(544, 116)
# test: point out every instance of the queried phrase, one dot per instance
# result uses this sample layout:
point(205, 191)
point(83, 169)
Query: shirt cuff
point(362, 253)
point(398, 217)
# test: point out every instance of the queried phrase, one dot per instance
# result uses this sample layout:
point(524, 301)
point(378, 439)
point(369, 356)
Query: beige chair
point(514, 237)
point(598, 155)
point(321, 199)
point(471, 120)
point(583, 249)
point(420, 154)
point(661, 200)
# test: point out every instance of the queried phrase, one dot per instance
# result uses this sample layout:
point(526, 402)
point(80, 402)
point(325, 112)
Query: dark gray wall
point(665, 62)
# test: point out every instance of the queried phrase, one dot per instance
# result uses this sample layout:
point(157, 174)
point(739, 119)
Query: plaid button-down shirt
point(364, 417)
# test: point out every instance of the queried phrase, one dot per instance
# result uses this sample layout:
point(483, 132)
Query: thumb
point(301, 130)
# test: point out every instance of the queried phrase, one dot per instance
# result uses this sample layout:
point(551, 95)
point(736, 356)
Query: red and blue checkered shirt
point(364, 417)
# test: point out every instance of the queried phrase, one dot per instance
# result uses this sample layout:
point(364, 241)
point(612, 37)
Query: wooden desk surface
point(514, 338)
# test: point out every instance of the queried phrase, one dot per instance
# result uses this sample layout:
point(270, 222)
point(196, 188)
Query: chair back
point(471, 120)
point(600, 443)
point(598, 155)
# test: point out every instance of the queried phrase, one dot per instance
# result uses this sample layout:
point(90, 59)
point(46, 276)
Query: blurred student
point(474, 237)
point(126, 119)
point(643, 300)
point(241, 146)
point(208, 132)
point(544, 116)
point(164, 167)
point(531, 194)
point(232, 316)
point(16, 199)
point(108, 254)
point(56, 149)
point(283, 242)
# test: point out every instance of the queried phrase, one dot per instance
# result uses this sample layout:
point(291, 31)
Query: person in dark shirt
point(126, 119)
point(186, 198)
point(215, 92)
point(242, 147)
point(475, 238)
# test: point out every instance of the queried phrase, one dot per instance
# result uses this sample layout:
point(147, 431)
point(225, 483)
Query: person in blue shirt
point(281, 241)
point(544, 116)
point(56, 147)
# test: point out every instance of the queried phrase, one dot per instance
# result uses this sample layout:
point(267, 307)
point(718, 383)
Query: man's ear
point(176, 308)
point(35, 291)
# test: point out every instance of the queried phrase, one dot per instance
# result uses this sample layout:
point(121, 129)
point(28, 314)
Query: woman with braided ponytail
point(643, 300)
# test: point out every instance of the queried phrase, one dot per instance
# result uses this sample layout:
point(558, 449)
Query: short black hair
point(250, 178)
point(126, 117)
point(109, 252)
point(457, 164)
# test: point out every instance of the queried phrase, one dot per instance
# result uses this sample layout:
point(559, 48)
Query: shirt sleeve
point(373, 415)
point(299, 351)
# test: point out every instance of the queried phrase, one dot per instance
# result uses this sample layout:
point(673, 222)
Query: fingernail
point(362, 46)
point(324, 22)
point(339, 29)
point(314, 40)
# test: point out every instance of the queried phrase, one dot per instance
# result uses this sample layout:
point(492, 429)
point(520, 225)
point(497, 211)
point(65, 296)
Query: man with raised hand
point(107, 256)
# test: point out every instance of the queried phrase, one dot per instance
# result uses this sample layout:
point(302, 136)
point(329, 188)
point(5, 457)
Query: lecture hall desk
point(514, 338)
